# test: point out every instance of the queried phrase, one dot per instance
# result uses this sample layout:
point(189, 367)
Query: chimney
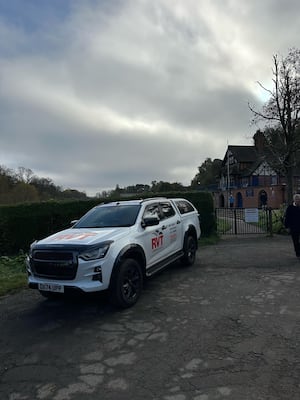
point(259, 141)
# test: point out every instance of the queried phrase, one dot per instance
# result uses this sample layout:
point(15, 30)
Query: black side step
point(163, 264)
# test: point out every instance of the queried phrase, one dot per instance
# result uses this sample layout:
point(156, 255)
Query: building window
point(255, 180)
point(274, 180)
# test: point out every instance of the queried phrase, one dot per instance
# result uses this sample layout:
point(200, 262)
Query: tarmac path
point(226, 328)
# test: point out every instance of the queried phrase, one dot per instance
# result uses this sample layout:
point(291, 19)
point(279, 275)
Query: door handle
point(178, 222)
point(163, 227)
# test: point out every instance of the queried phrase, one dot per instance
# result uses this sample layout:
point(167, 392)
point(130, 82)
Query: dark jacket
point(292, 218)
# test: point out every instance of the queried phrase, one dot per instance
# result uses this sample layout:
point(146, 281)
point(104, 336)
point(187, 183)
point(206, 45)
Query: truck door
point(153, 237)
point(171, 226)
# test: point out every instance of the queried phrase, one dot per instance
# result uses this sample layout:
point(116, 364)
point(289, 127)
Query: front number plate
point(50, 287)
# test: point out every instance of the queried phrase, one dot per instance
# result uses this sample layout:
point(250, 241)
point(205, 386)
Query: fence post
point(235, 222)
point(270, 222)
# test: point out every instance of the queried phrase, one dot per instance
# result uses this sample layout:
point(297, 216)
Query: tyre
point(127, 284)
point(190, 248)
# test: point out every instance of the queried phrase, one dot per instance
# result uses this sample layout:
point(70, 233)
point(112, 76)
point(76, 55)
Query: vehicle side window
point(151, 211)
point(184, 207)
point(166, 210)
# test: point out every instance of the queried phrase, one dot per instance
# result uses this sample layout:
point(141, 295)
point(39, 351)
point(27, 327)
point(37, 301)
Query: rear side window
point(184, 207)
point(166, 210)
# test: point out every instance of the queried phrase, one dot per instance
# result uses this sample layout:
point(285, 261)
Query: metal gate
point(242, 221)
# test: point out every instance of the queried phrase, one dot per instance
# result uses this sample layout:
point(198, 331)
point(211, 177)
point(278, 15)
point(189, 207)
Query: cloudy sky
point(95, 93)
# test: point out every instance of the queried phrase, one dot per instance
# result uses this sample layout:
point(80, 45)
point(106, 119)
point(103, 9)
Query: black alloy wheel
point(190, 249)
point(127, 284)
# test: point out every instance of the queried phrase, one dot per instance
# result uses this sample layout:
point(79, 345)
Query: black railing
point(241, 221)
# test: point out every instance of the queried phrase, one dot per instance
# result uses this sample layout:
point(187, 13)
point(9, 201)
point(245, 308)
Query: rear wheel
point(127, 284)
point(190, 248)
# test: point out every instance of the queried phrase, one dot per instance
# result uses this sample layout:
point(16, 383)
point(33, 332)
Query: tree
point(24, 174)
point(23, 193)
point(161, 186)
point(281, 115)
point(73, 194)
point(22, 186)
point(208, 173)
point(45, 187)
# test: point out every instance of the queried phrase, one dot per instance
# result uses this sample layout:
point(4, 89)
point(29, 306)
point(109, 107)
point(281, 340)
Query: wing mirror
point(150, 221)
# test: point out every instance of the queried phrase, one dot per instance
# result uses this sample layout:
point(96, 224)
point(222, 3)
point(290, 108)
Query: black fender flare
point(191, 231)
point(134, 251)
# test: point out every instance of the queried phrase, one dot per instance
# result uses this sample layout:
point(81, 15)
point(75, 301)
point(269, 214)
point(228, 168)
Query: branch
point(265, 89)
point(261, 115)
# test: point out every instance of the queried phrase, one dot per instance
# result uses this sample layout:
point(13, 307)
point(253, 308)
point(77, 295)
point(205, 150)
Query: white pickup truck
point(115, 246)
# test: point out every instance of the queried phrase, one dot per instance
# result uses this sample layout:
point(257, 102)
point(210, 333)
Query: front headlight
point(95, 253)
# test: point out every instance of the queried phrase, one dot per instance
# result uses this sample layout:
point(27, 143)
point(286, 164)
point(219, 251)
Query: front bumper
point(33, 283)
point(91, 276)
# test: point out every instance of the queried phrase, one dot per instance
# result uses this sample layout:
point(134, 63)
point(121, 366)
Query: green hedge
point(204, 203)
point(20, 225)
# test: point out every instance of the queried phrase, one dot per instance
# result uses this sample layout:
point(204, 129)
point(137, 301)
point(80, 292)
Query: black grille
point(54, 264)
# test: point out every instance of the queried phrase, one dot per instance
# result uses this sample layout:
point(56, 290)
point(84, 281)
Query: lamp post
point(228, 180)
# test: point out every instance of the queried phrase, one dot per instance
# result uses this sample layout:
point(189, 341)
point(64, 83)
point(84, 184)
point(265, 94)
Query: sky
point(99, 93)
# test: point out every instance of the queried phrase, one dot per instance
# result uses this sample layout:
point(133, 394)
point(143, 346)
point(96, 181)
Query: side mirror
point(150, 221)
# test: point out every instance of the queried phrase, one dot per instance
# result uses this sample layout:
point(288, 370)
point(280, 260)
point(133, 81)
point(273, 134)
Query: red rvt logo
point(157, 242)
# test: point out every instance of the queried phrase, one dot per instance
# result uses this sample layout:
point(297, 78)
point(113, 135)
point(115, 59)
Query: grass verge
point(209, 240)
point(12, 274)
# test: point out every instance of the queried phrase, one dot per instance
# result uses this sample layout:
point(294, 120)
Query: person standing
point(292, 222)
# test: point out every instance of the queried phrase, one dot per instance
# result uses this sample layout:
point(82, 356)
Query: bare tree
point(281, 115)
point(24, 174)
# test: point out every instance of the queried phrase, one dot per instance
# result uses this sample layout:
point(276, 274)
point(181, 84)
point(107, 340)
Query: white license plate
point(50, 287)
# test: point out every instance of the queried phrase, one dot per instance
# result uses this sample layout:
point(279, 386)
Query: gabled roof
point(244, 153)
point(256, 164)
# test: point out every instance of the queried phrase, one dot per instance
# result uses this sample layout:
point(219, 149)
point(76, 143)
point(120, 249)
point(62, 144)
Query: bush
point(20, 225)
point(278, 220)
point(203, 201)
point(12, 274)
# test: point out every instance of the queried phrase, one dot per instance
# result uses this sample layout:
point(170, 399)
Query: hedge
point(21, 224)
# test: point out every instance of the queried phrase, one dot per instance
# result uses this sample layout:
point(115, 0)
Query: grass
point(222, 225)
point(209, 240)
point(12, 274)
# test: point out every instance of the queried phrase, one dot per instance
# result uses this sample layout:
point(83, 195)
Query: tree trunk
point(290, 185)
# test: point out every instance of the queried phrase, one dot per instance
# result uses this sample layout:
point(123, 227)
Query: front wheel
point(190, 248)
point(127, 284)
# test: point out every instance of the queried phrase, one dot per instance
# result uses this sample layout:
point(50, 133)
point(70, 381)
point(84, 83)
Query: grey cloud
point(107, 92)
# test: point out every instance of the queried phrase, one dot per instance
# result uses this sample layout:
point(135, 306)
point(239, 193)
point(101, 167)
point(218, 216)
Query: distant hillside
point(22, 185)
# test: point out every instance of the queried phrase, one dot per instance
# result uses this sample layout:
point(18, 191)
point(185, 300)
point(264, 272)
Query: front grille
point(54, 264)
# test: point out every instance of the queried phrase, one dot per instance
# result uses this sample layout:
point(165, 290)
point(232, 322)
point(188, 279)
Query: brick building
point(248, 180)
